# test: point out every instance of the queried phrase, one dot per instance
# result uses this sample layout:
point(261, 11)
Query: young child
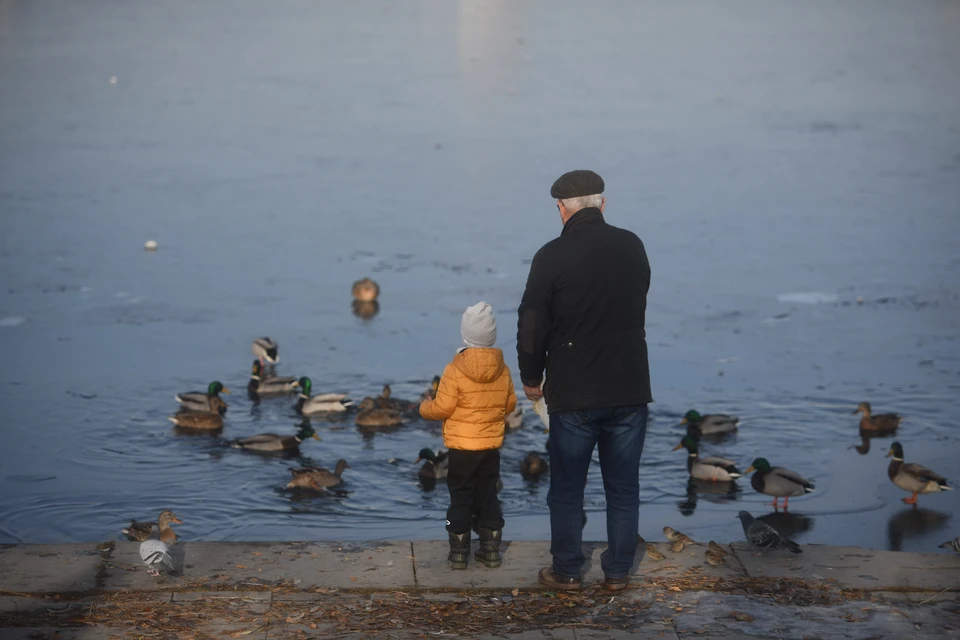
point(475, 393)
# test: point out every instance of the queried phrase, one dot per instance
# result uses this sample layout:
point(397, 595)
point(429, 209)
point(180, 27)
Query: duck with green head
point(711, 468)
point(778, 482)
point(436, 465)
point(881, 422)
point(913, 477)
point(274, 443)
point(262, 385)
point(321, 403)
point(709, 424)
point(208, 401)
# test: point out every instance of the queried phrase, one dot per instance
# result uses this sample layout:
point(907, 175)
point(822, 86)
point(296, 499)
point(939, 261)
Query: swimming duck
point(369, 415)
point(881, 422)
point(431, 392)
point(317, 477)
point(436, 466)
point(778, 482)
point(711, 468)
point(709, 424)
point(274, 442)
point(141, 531)
point(533, 465)
point(913, 477)
point(365, 290)
point(386, 401)
point(261, 385)
point(198, 421)
point(265, 348)
point(514, 419)
point(204, 402)
point(322, 403)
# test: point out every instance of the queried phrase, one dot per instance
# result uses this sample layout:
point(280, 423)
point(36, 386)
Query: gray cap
point(576, 184)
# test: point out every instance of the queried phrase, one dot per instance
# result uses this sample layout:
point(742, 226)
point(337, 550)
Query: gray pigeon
point(763, 537)
point(952, 544)
point(156, 555)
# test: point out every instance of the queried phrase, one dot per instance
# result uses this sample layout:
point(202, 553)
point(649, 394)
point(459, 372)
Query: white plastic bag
point(540, 406)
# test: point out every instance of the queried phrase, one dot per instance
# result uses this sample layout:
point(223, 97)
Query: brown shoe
point(616, 584)
point(550, 579)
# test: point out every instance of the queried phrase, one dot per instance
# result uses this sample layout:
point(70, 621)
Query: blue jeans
point(619, 432)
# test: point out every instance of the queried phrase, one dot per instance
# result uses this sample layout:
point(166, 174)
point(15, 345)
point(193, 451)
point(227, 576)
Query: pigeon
point(714, 558)
point(763, 537)
point(156, 555)
point(952, 544)
point(677, 546)
point(673, 534)
point(716, 548)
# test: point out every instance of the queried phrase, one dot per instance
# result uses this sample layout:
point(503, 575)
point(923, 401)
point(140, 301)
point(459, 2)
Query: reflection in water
point(716, 492)
point(866, 436)
point(365, 309)
point(788, 524)
point(913, 523)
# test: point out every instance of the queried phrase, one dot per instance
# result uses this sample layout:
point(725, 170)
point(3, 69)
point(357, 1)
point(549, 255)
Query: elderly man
point(582, 317)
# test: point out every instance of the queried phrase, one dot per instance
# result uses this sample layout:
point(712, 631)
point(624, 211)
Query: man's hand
point(533, 393)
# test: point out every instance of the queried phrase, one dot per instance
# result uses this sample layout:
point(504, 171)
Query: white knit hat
point(478, 326)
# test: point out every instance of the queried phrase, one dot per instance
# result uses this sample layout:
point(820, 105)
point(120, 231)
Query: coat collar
point(588, 216)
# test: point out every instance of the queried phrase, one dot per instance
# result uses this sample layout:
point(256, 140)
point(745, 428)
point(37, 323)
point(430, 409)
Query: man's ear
point(603, 204)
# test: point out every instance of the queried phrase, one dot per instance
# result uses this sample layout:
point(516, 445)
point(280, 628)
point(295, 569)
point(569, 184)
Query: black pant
point(472, 480)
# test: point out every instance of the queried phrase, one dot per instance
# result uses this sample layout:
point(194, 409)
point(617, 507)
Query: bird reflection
point(788, 524)
point(913, 523)
point(866, 436)
point(716, 492)
point(365, 309)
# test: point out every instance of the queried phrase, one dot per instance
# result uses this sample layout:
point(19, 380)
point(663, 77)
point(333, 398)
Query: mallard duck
point(778, 482)
point(369, 415)
point(514, 419)
point(386, 401)
point(913, 477)
point(274, 442)
point(322, 403)
point(204, 402)
point(711, 468)
point(317, 477)
point(709, 424)
point(533, 465)
point(880, 422)
point(431, 392)
point(261, 385)
point(365, 290)
point(141, 531)
point(198, 421)
point(265, 348)
point(436, 465)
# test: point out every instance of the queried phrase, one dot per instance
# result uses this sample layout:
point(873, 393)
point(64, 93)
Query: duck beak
point(752, 468)
point(176, 520)
point(678, 447)
point(889, 454)
point(225, 390)
point(418, 461)
point(683, 421)
point(316, 437)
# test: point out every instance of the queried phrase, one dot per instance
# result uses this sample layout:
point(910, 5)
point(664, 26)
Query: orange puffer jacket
point(475, 393)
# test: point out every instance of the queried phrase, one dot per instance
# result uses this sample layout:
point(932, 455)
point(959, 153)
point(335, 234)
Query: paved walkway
point(405, 590)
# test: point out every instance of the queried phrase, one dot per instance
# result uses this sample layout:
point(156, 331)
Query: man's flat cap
point(576, 184)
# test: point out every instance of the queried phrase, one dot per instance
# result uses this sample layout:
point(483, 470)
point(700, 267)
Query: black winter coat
point(582, 317)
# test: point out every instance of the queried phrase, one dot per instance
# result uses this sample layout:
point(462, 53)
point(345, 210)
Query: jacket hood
point(480, 365)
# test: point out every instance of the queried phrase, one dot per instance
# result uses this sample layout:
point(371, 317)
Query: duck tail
point(734, 474)
point(809, 488)
point(346, 402)
point(944, 486)
point(177, 398)
point(173, 419)
point(790, 545)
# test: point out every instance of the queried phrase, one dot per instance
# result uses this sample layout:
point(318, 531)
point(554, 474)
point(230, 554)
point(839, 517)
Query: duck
point(436, 466)
point(778, 482)
point(262, 385)
point(385, 401)
point(317, 477)
point(913, 477)
point(514, 419)
point(533, 465)
point(709, 424)
point(712, 468)
point(880, 422)
point(140, 531)
point(365, 290)
point(265, 348)
point(197, 421)
point(370, 415)
point(431, 392)
point(208, 401)
point(274, 442)
point(322, 403)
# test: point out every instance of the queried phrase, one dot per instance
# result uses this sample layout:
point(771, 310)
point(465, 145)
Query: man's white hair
point(575, 204)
